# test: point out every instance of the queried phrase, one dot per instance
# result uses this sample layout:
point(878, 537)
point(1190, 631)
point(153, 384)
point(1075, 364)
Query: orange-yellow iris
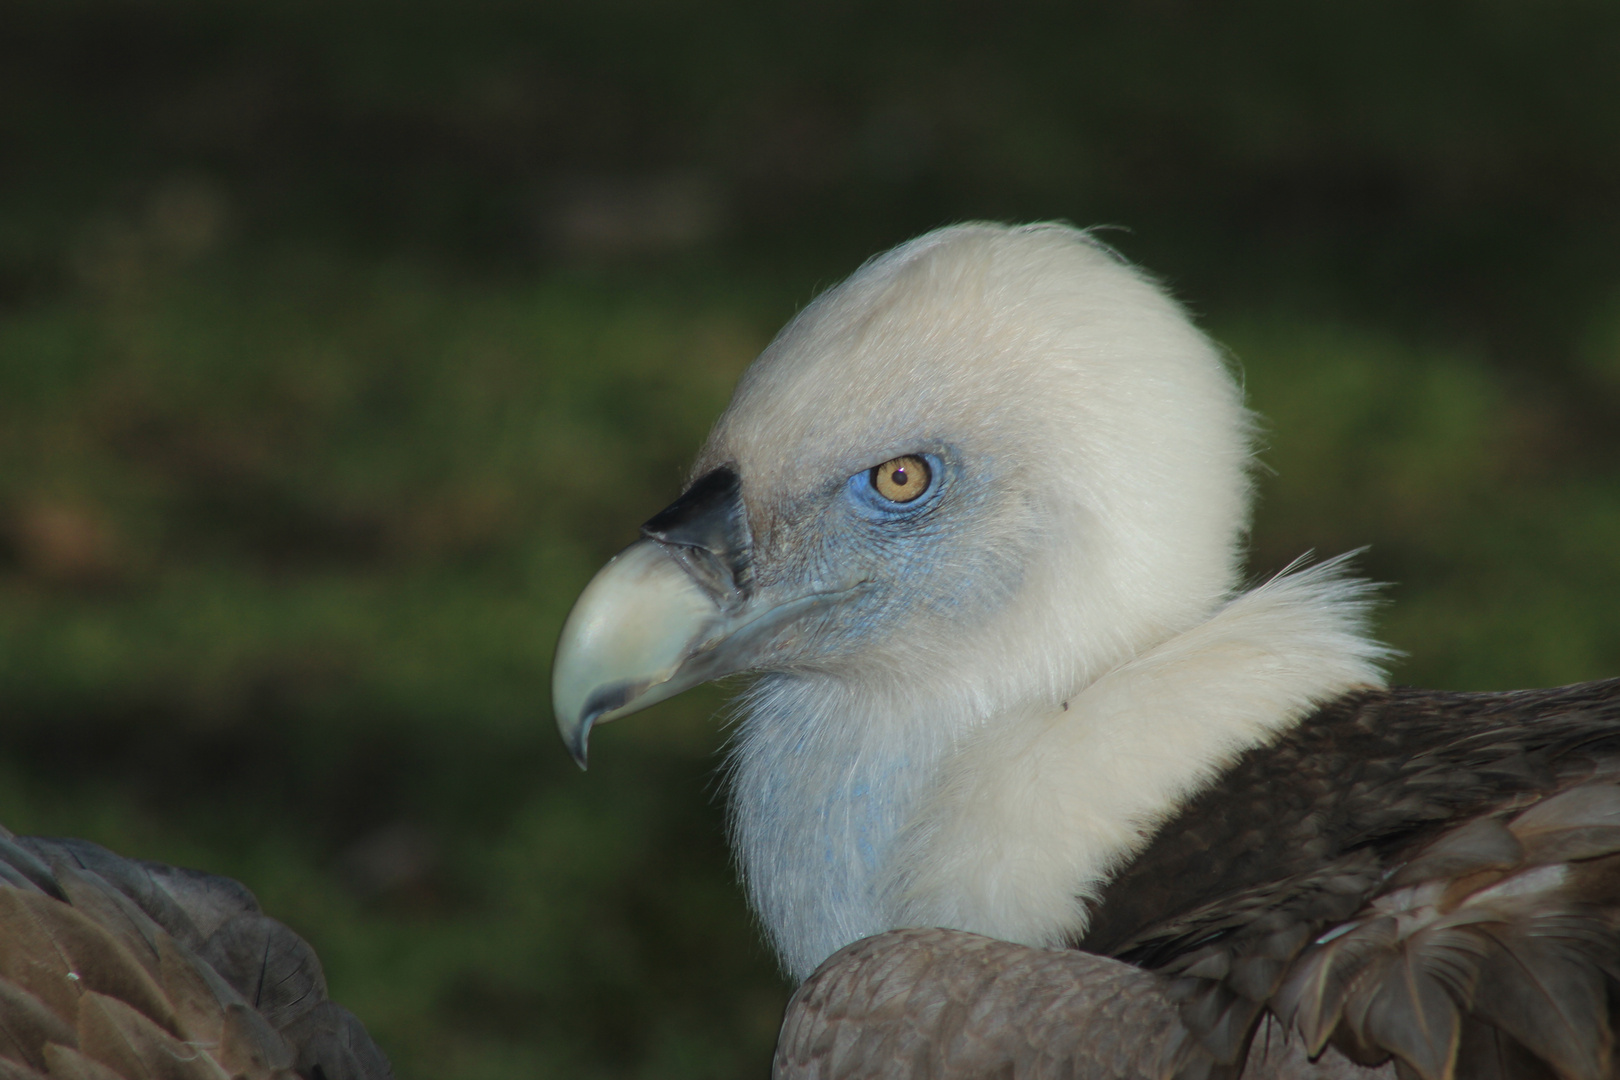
point(902, 479)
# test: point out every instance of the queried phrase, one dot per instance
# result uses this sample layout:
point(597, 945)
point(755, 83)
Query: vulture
point(1025, 781)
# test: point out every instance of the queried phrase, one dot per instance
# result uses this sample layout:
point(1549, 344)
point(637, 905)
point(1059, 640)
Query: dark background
point(341, 341)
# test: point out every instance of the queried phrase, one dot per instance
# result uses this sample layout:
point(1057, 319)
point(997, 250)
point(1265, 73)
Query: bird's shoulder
point(1389, 833)
point(1363, 778)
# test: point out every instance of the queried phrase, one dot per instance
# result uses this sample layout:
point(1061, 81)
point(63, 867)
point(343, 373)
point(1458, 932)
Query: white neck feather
point(852, 815)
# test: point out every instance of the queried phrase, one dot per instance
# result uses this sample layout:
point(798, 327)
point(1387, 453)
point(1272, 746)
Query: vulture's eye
point(902, 479)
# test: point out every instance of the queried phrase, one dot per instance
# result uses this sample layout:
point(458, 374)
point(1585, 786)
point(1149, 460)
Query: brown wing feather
point(116, 968)
point(1448, 865)
point(1520, 954)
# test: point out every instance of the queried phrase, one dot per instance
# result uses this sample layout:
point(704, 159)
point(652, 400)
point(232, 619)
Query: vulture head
point(973, 519)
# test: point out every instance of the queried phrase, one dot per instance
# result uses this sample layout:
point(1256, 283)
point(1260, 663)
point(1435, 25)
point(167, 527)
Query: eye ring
point(903, 479)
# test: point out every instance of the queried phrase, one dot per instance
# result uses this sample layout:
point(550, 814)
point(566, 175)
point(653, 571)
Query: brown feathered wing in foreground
point(948, 1004)
point(118, 969)
point(1420, 881)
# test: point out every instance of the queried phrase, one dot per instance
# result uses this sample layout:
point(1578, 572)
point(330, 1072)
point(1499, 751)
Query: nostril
point(706, 531)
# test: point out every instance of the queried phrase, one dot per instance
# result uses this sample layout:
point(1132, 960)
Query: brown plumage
point(1428, 880)
point(948, 1004)
point(121, 969)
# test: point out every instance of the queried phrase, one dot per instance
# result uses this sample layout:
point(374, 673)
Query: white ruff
point(853, 815)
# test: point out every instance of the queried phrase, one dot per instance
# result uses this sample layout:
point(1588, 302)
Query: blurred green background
point(341, 341)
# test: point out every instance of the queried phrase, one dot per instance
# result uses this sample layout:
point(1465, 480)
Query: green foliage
point(1477, 495)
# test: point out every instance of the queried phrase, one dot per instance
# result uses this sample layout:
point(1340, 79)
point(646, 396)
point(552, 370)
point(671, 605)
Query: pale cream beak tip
point(627, 636)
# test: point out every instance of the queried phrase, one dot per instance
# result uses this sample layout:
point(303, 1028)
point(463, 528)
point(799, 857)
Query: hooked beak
point(674, 609)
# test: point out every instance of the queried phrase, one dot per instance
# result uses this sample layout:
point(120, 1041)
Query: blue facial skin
point(901, 546)
point(911, 560)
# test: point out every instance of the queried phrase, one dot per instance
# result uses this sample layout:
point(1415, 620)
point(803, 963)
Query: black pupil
point(899, 477)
